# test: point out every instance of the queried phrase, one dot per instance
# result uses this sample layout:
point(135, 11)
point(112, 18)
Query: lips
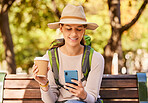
point(73, 38)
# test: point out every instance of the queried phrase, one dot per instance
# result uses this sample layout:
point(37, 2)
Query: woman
point(73, 25)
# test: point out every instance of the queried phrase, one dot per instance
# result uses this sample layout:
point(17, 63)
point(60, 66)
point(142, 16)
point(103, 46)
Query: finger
point(35, 76)
point(71, 85)
point(36, 71)
point(34, 67)
point(77, 82)
point(72, 90)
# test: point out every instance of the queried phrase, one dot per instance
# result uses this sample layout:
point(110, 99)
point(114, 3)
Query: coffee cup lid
point(41, 58)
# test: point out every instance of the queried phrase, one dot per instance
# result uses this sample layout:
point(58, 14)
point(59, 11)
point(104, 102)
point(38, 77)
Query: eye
point(79, 29)
point(68, 29)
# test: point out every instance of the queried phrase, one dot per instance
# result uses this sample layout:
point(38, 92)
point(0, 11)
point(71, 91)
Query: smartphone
point(69, 75)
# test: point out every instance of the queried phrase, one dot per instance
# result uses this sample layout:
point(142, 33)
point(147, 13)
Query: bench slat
point(18, 77)
point(119, 94)
point(22, 94)
point(112, 83)
point(106, 76)
point(31, 93)
point(40, 101)
point(106, 83)
point(23, 101)
point(120, 102)
point(21, 84)
point(119, 76)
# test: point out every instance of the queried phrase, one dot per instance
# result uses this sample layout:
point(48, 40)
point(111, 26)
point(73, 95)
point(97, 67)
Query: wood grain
point(22, 94)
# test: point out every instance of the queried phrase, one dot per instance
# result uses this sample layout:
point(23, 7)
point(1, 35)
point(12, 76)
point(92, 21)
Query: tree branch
point(56, 9)
point(109, 3)
point(6, 4)
point(127, 26)
point(9, 4)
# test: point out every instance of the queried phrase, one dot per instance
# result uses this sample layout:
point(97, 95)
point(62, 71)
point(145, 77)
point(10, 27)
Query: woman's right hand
point(40, 80)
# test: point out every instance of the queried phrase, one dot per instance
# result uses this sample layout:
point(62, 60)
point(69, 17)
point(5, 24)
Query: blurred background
point(122, 36)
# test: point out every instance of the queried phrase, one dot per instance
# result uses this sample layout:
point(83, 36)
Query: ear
point(84, 31)
point(61, 28)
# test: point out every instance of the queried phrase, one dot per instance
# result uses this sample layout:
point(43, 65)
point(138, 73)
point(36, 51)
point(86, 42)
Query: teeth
point(73, 38)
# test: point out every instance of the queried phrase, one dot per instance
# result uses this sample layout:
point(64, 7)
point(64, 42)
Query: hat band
point(73, 17)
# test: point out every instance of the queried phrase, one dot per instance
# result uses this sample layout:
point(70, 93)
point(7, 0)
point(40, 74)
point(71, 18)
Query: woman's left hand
point(78, 91)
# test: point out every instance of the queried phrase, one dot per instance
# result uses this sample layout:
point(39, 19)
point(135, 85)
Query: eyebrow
point(77, 26)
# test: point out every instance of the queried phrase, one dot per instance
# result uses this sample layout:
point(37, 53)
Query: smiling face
point(73, 33)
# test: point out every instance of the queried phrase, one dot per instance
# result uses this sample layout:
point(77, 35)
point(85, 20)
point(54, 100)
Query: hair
point(82, 41)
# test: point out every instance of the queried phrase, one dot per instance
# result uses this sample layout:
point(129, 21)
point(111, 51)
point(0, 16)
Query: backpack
point(54, 59)
point(86, 60)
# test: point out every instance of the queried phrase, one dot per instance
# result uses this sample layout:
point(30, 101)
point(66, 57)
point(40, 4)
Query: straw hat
point(73, 15)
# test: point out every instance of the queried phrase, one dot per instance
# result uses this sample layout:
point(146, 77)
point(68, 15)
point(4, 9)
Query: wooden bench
point(114, 89)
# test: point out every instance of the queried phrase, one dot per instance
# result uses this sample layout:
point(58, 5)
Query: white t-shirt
point(91, 86)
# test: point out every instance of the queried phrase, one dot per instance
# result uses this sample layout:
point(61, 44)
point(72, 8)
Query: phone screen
point(69, 75)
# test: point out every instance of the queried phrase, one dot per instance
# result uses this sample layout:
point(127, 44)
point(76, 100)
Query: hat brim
point(90, 26)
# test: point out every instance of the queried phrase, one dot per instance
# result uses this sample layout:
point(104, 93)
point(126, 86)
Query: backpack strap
point(54, 62)
point(86, 61)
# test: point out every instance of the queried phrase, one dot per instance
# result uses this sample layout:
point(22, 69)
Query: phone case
point(70, 74)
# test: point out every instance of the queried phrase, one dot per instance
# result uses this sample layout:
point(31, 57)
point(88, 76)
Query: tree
point(6, 34)
point(28, 21)
point(114, 44)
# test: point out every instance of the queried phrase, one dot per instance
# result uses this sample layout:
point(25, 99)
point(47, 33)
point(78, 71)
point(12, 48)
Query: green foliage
point(31, 36)
point(136, 37)
point(98, 14)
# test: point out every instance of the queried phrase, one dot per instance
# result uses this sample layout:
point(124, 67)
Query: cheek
point(65, 34)
point(82, 33)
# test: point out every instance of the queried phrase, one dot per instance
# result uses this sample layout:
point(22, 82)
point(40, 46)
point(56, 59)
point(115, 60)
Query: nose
point(73, 32)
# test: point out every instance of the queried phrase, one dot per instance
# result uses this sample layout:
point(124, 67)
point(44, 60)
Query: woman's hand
point(78, 91)
point(40, 80)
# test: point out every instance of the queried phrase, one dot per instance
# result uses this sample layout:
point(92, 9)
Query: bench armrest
point(143, 102)
point(2, 78)
point(142, 87)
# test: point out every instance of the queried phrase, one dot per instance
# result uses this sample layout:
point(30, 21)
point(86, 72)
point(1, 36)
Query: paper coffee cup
point(42, 64)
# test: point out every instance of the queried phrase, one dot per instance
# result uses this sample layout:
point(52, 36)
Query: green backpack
point(86, 60)
point(54, 59)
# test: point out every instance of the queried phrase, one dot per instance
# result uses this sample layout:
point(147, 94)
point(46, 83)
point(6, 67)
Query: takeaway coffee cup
point(42, 64)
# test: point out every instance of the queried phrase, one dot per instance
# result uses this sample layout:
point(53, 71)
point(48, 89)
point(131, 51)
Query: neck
point(72, 50)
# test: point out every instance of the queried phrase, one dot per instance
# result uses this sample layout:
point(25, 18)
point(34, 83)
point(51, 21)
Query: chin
point(74, 44)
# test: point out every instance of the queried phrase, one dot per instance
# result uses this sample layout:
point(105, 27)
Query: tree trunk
point(7, 41)
point(114, 43)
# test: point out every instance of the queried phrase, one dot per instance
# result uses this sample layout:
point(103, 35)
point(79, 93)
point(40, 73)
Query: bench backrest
point(114, 89)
